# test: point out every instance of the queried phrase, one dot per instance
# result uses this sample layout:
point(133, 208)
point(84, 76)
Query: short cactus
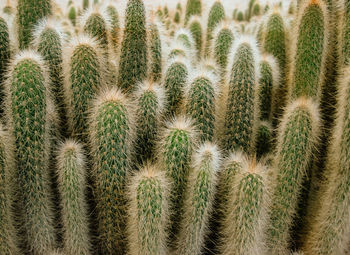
point(216, 15)
point(196, 29)
point(133, 59)
point(72, 187)
point(200, 193)
point(156, 52)
point(193, 7)
point(264, 137)
point(295, 145)
point(240, 122)
point(177, 18)
point(246, 211)
point(37, 9)
point(184, 36)
point(148, 212)
point(28, 112)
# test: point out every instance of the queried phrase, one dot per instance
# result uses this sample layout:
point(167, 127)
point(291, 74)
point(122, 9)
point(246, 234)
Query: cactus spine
point(296, 141)
point(83, 72)
point(200, 194)
point(72, 187)
point(37, 9)
point(5, 53)
point(310, 50)
point(28, 112)
point(148, 212)
point(150, 106)
point(330, 231)
point(201, 103)
point(244, 223)
point(133, 59)
point(156, 56)
point(240, 122)
point(193, 7)
point(216, 15)
point(111, 139)
point(195, 27)
point(343, 34)
point(175, 151)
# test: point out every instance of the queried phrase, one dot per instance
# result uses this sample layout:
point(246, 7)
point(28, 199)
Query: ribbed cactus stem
point(264, 138)
point(200, 193)
point(242, 109)
point(196, 29)
point(111, 140)
point(216, 15)
point(148, 212)
point(156, 52)
point(72, 186)
point(115, 26)
point(28, 111)
point(329, 232)
point(175, 151)
point(246, 211)
point(133, 58)
point(309, 51)
point(295, 146)
point(83, 73)
point(38, 9)
point(201, 102)
point(150, 106)
point(5, 53)
point(193, 7)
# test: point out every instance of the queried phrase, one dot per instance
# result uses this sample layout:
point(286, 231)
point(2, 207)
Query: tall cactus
point(29, 12)
point(150, 106)
point(196, 29)
point(193, 7)
point(133, 59)
point(329, 231)
point(201, 103)
point(29, 115)
point(175, 151)
point(115, 26)
point(72, 187)
point(216, 15)
point(148, 212)
point(246, 211)
point(200, 195)
point(310, 50)
point(83, 72)
point(111, 139)
point(156, 52)
point(295, 147)
point(240, 122)
point(5, 53)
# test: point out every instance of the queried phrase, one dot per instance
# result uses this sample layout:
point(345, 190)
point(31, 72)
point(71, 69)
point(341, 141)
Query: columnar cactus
point(196, 29)
point(343, 34)
point(200, 102)
point(28, 113)
point(242, 108)
point(156, 52)
point(115, 26)
point(83, 72)
point(216, 15)
point(264, 138)
point(72, 188)
point(246, 211)
point(133, 59)
point(150, 106)
point(175, 151)
point(175, 79)
point(72, 15)
point(148, 212)
point(310, 50)
point(184, 36)
point(199, 201)
point(29, 12)
point(111, 139)
point(193, 7)
point(329, 232)
point(295, 146)
point(5, 53)
point(8, 242)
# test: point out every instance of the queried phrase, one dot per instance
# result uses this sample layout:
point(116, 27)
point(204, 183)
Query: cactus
point(310, 50)
point(200, 194)
point(256, 10)
point(83, 72)
point(29, 114)
point(268, 83)
point(260, 34)
point(72, 187)
point(185, 37)
point(150, 106)
point(295, 145)
point(246, 211)
point(85, 4)
point(111, 138)
point(201, 102)
point(115, 26)
point(156, 53)
point(343, 34)
point(264, 138)
point(133, 59)
point(240, 122)
point(72, 15)
point(175, 152)
point(37, 9)
point(5, 54)
point(195, 27)
point(329, 232)
point(175, 79)
point(216, 15)
point(193, 7)
point(178, 49)
point(240, 16)
point(148, 212)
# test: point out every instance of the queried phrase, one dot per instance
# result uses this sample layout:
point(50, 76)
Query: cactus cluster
point(143, 128)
